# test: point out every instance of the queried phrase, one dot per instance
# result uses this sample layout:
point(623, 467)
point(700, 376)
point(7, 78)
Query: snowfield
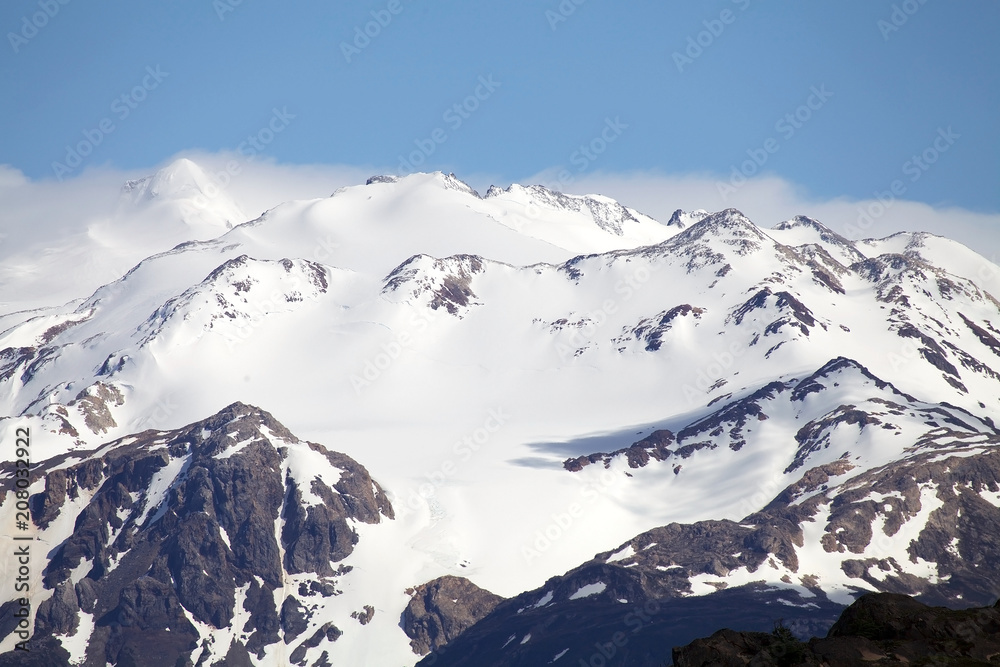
point(463, 347)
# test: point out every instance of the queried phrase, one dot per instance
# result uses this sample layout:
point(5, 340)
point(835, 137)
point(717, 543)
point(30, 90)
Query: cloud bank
point(53, 220)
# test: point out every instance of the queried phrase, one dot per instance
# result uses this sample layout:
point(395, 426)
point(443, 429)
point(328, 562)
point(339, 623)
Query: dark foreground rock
point(178, 534)
point(878, 629)
point(442, 609)
point(528, 631)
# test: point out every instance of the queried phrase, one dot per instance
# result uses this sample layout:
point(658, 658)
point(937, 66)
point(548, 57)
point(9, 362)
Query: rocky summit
point(209, 544)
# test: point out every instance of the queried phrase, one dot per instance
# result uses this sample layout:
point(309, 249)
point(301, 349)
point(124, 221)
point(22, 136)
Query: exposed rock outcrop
point(442, 609)
point(181, 532)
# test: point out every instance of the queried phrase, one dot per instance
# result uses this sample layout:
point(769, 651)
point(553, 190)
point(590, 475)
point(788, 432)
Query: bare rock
point(442, 609)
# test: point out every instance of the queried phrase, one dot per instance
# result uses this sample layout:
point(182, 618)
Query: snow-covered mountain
point(176, 204)
point(530, 378)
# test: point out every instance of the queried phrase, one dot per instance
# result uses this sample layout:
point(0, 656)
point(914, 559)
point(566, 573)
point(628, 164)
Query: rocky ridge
point(216, 540)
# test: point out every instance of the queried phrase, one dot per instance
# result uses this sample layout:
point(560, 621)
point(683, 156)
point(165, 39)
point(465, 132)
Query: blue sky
point(880, 93)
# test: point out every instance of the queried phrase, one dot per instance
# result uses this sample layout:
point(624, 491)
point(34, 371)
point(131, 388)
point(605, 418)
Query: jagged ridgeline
point(215, 542)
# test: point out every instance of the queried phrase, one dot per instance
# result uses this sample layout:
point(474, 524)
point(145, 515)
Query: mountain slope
point(535, 378)
point(177, 204)
point(226, 537)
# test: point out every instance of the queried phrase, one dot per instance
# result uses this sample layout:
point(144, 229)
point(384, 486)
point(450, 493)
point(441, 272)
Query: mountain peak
point(184, 190)
point(607, 213)
point(682, 219)
point(802, 221)
point(730, 218)
point(448, 181)
point(180, 179)
point(729, 225)
point(803, 232)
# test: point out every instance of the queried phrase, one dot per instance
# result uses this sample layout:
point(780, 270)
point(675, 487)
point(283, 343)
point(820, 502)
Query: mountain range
point(412, 424)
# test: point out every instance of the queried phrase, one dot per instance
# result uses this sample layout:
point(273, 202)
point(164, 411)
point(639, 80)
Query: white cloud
point(46, 226)
point(48, 211)
point(11, 177)
point(60, 241)
point(261, 184)
point(768, 200)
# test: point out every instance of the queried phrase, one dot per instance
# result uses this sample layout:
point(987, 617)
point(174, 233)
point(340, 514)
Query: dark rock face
point(181, 524)
point(314, 533)
point(879, 628)
point(654, 446)
point(728, 648)
point(294, 618)
point(652, 330)
point(94, 403)
point(60, 613)
point(328, 631)
point(732, 424)
point(600, 630)
point(442, 609)
point(953, 467)
point(793, 312)
point(365, 616)
point(448, 283)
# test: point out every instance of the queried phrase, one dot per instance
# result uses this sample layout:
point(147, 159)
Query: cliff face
point(442, 609)
point(183, 546)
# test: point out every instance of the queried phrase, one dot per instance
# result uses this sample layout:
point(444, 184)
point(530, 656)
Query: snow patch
point(588, 590)
point(622, 554)
point(234, 448)
point(163, 479)
point(76, 644)
point(547, 598)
